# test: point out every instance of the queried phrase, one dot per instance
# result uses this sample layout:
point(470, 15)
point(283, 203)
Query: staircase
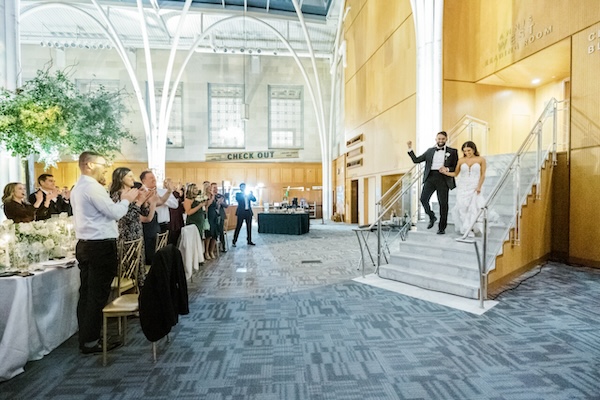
point(439, 262)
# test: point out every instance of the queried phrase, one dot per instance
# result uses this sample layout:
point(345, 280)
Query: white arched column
point(10, 65)
point(428, 16)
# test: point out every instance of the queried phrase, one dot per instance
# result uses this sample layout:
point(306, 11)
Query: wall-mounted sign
point(253, 155)
point(517, 37)
point(594, 37)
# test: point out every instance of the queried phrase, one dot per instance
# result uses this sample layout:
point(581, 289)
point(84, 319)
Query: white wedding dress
point(468, 202)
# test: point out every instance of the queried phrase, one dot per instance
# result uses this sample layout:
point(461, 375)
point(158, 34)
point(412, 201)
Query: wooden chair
point(130, 257)
point(162, 240)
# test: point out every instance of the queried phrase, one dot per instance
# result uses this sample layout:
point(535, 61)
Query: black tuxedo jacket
point(241, 200)
point(55, 207)
point(450, 161)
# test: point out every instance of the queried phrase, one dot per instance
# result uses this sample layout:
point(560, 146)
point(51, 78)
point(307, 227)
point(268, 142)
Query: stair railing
point(494, 220)
point(402, 199)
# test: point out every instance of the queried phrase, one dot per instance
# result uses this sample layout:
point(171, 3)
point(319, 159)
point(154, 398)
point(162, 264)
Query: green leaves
point(49, 117)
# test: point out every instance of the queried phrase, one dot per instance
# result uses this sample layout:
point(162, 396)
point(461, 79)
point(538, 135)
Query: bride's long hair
point(470, 145)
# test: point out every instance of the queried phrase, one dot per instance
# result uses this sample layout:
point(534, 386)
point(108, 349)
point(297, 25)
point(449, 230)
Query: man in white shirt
point(95, 218)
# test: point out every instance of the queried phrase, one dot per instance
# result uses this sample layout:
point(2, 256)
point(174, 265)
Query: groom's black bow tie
point(439, 148)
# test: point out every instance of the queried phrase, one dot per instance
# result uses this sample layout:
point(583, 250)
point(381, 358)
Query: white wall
point(202, 69)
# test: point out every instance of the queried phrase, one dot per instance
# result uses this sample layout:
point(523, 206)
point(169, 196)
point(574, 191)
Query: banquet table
point(284, 223)
point(37, 314)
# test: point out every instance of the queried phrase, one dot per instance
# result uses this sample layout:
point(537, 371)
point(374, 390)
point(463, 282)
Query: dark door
point(354, 203)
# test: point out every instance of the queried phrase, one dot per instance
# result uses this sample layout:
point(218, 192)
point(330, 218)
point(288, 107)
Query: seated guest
point(57, 203)
point(142, 209)
point(17, 208)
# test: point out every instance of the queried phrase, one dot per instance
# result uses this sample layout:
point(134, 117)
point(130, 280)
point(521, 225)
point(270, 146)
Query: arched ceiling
point(78, 23)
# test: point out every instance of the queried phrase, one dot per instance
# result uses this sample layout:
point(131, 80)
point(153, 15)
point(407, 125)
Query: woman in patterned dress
point(141, 210)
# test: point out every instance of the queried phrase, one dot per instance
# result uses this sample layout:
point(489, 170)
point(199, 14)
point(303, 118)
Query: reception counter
point(283, 223)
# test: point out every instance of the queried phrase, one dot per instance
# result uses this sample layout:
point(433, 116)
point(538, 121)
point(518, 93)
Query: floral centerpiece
point(26, 243)
point(49, 117)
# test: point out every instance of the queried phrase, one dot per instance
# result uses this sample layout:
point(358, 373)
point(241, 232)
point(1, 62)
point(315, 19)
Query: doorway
point(354, 202)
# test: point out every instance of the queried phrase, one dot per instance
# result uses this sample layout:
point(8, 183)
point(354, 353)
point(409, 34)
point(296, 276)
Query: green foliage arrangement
point(49, 117)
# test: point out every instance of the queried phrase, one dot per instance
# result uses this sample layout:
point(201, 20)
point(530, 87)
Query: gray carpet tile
point(264, 325)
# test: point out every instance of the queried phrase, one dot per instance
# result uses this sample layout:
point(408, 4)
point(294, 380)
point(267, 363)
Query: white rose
point(43, 232)
point(49, 244)
point(8, 222)
point(37, 248)
point(25, 228)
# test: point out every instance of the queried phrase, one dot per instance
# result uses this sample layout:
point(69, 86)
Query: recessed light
point(536, 81)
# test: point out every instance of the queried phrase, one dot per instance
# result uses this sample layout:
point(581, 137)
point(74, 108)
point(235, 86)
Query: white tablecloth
point(192, 249)
point(37, 314)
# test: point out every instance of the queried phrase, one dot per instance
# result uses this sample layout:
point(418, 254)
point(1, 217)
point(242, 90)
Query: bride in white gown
point(470, 171)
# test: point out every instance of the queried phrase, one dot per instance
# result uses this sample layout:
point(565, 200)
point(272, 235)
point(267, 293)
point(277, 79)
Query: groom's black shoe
point(441, 231)
point(431, 222)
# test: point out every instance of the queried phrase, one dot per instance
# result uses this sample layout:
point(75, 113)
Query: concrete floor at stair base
point(444, 299)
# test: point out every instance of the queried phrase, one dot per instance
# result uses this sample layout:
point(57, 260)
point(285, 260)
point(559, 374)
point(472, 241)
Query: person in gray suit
point(435, 158)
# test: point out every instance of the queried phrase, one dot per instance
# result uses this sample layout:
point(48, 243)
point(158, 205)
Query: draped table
point(37, 314)
point(284, 223)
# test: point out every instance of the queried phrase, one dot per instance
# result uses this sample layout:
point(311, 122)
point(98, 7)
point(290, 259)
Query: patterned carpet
point(284, 320)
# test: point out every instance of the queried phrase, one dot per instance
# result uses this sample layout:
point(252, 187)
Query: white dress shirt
point(438, 159)
point(95, 215)
point(162, 212)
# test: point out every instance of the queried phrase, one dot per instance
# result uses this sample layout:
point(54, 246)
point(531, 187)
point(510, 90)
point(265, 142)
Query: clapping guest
point(95, 218)
point(17, 208)
point(142, 209)
point(210, 241)
point(192, 205)
point(54, 200)
point(176, 220)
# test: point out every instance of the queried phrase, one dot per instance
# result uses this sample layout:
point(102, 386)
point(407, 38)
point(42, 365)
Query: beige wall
point(202, 69)
point(475, 33)
point(380, 88)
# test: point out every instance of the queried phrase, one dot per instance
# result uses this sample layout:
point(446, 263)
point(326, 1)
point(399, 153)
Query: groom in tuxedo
point(244, 213)
point(433, 181)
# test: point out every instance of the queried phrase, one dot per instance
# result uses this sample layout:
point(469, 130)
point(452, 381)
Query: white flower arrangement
point(28, 242)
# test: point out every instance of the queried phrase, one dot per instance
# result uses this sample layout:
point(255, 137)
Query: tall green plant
point(49, 117)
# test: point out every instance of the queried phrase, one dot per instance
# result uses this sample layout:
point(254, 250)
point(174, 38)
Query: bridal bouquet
point(201, 198)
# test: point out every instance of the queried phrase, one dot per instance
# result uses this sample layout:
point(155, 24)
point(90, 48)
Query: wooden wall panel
point(480, 32)
point(585, 148)
point(304, 175)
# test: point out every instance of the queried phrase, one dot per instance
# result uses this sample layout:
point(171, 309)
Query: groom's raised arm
point(412, 155)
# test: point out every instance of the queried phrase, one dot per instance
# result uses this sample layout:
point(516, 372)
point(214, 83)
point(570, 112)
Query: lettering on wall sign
point(594, 42)
point(519, 36)
point(253, 155)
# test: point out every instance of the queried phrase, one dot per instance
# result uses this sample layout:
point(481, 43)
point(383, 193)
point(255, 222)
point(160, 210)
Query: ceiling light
point(536, 81)
point(42, 44)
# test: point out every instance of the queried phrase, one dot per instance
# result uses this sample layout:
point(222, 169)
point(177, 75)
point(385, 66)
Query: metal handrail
point(467, 122)
point(535, 134)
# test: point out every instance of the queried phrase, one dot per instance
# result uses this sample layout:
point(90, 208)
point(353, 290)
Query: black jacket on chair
point(164, 296)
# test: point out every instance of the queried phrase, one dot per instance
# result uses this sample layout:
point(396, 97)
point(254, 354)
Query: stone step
point(440, 281)
point(435, 264)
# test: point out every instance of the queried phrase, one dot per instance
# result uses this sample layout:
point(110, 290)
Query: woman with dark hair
point(16, 206)
point(193, 206)
point(470, 171)
point(140, 210)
